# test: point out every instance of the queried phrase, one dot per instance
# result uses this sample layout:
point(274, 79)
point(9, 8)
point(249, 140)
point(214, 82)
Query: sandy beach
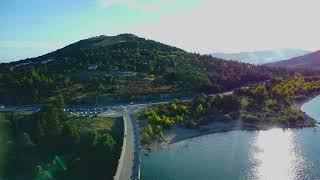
point(176, 134)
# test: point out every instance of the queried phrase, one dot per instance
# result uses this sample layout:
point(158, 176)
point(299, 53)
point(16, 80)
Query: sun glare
point(276, 155)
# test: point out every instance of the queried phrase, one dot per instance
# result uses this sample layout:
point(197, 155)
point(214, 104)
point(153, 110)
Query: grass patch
point(102, 123)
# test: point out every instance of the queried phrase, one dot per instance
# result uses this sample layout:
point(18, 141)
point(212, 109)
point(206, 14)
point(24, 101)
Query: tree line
point(267, 104)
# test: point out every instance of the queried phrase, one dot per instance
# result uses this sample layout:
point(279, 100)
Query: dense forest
point(51, 145)
point(264, 105)
point(122, 66)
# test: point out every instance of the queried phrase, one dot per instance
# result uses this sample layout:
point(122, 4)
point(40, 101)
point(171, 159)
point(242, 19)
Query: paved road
point(124, 171)
point(128, 166)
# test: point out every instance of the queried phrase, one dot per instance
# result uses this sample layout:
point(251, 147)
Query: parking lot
point(91, 111)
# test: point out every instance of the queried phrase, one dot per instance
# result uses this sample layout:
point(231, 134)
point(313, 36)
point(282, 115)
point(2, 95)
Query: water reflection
point(276, 156)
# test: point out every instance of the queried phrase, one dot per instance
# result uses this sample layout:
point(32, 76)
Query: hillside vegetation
point(261, 106)
point(120, 68)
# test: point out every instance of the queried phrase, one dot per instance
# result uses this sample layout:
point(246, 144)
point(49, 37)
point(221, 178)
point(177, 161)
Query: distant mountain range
point(308, 61)
point(262, 57)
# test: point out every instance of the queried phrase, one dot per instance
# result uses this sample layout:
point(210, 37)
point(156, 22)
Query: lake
point(274, 154)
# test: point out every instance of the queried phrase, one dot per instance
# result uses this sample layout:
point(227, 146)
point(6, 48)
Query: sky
point(35, 27)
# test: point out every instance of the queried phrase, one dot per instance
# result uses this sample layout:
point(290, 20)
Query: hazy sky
point(34, 27)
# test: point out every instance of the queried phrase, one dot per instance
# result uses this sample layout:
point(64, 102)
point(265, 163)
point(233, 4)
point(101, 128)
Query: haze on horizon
point(32, 28)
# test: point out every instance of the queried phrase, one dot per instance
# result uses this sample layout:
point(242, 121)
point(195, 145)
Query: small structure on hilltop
point(92, 67)
point(113, 68)
point(24, 64)
point(46, 61)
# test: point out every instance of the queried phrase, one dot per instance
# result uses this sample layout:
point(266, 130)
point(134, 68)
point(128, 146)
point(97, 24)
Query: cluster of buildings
point(93, 67)
point(31, 62)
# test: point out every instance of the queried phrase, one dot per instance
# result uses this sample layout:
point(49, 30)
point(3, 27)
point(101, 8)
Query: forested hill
point(123, 67)
point(126, 51)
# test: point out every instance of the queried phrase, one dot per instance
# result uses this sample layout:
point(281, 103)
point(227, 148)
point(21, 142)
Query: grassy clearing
point(102, 123)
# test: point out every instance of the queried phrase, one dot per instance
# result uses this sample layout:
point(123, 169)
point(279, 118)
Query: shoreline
point(177, 134)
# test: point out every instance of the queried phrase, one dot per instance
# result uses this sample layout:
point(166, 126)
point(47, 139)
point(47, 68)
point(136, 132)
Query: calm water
point(275, 154)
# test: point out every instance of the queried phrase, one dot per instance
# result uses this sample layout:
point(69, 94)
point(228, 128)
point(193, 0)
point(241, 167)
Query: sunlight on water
point(276, 156)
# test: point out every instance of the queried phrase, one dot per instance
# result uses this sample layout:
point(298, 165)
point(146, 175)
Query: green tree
point(230, 103)
point(159, 132)
point(199, 110)
point(166, 121)
point(260, 93)
point(101, 87)
point(39, 130)
point(71, 133)
point(154, 118)
point(145, 137)
point(60, 102)
point(149, 130)
point(174, 107)
point(15, 122)
point(93, 138)
point(107, 142)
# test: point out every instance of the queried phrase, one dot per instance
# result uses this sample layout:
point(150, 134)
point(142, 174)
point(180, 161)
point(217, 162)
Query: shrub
point(145, 137)
point(191, 124)
point(226, 118)
point(282, 119)
point(271, 103)
point(249, 118)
